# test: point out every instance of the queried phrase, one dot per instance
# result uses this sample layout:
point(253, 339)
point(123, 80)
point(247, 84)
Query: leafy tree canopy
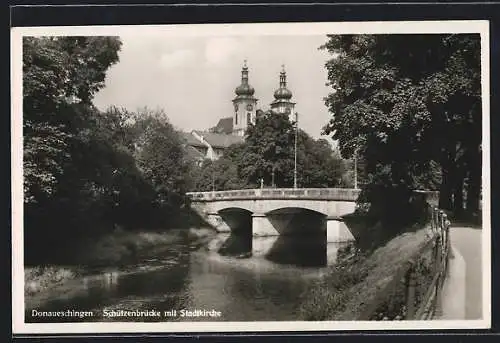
point(57, 73)
point(405, 103)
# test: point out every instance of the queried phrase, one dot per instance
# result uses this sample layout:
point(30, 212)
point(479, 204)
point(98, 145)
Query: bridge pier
point(261, 245)
point(216, 221)
point(337, 231)
point(262, 227)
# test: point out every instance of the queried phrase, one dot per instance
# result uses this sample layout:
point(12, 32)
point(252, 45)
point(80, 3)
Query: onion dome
point(244, 89)
point(283, 93)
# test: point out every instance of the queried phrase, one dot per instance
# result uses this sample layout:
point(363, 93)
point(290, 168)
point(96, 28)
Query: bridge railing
point(422, 300)
point(340, 194)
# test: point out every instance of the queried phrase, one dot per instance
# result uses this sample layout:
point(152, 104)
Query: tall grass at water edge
point(107, 251)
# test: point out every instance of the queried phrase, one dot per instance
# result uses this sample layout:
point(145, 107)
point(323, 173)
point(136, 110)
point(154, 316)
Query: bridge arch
point(217, 207)
point(297, 221)
point(294, 209)
point(233, 209)
point(317, 206)
point(238, 219)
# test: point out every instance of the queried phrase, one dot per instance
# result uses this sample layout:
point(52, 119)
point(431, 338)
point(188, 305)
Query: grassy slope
point(354, 283)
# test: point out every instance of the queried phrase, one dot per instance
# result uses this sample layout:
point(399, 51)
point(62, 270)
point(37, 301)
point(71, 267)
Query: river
point(186, 281)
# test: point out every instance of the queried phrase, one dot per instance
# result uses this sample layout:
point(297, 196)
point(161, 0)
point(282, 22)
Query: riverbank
point(352, 284)
point(110, 250)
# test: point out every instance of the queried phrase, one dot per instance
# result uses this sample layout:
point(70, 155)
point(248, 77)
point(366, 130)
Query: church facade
point(231, 130)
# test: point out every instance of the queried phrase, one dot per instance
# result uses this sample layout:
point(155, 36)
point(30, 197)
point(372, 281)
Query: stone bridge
point(274, 212)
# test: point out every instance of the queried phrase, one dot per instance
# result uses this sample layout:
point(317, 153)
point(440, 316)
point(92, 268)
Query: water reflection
point(237, 244)
point(161, 286)
point(248, 289)
point(262, 287)
point(299, 250)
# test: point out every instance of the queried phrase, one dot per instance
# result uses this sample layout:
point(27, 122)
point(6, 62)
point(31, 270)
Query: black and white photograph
point(248, 177)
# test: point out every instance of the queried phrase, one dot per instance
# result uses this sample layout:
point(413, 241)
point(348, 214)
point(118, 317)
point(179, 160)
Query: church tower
point(282, 98)
point(244, 104)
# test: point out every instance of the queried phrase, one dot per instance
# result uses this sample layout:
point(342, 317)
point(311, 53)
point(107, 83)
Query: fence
point(428, 304)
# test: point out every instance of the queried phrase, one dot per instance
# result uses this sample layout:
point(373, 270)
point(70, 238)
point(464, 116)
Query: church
point(231, 130)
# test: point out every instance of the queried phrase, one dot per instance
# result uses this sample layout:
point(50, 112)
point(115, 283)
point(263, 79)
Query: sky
point(193, 78)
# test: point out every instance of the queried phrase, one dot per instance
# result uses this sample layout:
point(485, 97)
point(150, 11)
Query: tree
point(57, 72)
point(317, 164)
point(161, 160)
point(103, 171)
point(218, 175)
point(60, 77)
point(407, 103)
point(268, 151)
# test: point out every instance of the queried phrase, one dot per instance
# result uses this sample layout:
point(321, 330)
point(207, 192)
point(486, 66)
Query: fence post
point(436, 219)
point(433, 224)
point(442, 216)
point(447, 245)
point(410, 291)
point(437, 253)
point(448, 241)
point(444, 236)
point(438, 271)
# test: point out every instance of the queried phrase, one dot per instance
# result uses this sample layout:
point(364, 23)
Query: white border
point(19, 327)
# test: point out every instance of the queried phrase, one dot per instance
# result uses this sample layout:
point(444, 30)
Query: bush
point(38, 279)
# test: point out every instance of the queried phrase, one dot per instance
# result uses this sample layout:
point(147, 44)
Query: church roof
point(225, 125)
point(191, 140)
point(193, 153)
point(220, 140)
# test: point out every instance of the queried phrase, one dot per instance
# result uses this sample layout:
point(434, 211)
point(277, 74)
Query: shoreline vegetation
point(353, 282)
point(110, 250)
